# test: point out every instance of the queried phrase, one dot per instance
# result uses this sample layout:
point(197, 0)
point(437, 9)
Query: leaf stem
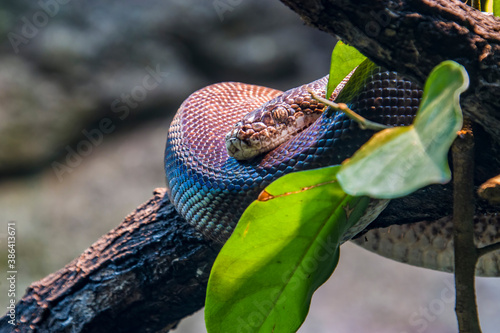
point(363, 122)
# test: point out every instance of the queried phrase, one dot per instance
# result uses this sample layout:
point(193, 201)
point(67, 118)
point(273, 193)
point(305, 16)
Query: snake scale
point(211, 190)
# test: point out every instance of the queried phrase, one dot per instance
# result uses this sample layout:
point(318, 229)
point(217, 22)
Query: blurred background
point(87, 92)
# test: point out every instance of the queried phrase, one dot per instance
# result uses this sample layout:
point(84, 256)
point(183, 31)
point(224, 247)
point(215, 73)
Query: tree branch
point(413, 36)
point(487, 249)
point(144, 276)
point(463, 231)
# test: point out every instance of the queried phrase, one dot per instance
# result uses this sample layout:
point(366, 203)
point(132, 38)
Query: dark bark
point(144, 276)
point(463, 231)
point(413, 36)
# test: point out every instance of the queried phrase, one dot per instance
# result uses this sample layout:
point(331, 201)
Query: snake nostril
point(246, 127)
point(243, 135)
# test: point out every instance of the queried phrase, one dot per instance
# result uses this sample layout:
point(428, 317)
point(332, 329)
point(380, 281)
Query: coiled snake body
point(211, 190)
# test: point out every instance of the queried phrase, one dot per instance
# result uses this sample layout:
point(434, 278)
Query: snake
point(230, 140)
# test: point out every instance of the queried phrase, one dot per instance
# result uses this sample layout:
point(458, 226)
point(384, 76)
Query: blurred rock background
point(87, 92)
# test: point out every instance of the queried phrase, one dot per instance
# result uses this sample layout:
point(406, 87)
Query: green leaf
point(283, 248)
point(496, 7)
point(344, 59)
point(400, 160)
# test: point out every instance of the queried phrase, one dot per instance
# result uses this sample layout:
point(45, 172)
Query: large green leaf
point(344, 59)
point(283, 248)
point(400, 160)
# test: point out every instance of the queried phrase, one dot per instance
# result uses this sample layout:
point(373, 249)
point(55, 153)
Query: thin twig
point(463, 231)
point(363, 122)
point(487, 249)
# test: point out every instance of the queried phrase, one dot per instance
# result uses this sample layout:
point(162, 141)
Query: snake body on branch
point(211, 189)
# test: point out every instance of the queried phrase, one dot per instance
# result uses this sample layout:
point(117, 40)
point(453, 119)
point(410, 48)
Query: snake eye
point(267, 119)
point(280, 114)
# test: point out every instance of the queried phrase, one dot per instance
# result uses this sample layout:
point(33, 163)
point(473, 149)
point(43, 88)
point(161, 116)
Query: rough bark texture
point(463, 231)
point(413, 36)
point(152, 270)
point(144, 276)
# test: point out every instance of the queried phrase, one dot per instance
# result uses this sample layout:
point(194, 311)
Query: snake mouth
point(239, 149)
point(233, 147)
point(300, 130)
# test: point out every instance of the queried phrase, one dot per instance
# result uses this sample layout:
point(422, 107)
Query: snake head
point(274, 123)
